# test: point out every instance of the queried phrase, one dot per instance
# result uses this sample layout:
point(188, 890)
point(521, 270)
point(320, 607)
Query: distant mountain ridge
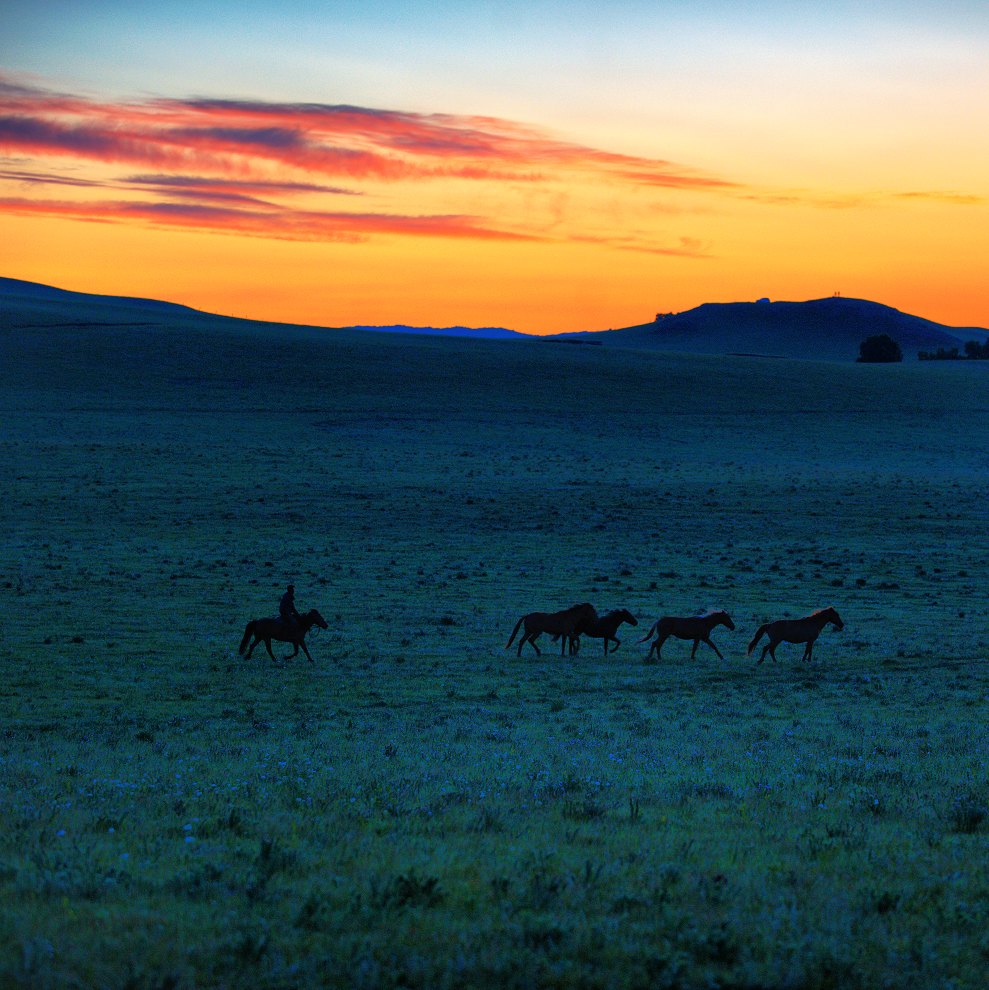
point(821, 329)
point(483, 333)
point(828, 329)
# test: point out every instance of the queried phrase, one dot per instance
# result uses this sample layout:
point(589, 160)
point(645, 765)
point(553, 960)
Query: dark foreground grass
point(421, 808)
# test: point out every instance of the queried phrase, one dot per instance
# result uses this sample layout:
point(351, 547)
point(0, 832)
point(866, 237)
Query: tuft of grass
point(966, 810)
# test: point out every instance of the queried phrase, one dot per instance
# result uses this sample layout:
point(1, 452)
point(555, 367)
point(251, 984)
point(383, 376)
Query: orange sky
point(780, 174)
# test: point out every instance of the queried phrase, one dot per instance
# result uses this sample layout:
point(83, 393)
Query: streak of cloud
point(236, 165)
point(951, 198)
point(266, 221)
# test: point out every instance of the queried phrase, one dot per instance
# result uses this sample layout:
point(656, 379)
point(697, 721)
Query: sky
point(536, 165)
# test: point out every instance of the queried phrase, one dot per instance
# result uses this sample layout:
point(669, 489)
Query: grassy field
point(422, 808)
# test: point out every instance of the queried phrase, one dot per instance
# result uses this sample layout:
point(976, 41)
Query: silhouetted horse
point(558, 623)
point(603, 627)
point(265, 630)
point(804, 630)
point(695, 627)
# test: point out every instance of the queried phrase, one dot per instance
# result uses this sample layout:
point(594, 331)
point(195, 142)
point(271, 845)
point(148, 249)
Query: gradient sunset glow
point(544, 168)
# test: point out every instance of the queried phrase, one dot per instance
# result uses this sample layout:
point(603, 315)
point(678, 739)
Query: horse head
point(725, 619)
point(834, 618)
point(627, 616)
point(317, 619)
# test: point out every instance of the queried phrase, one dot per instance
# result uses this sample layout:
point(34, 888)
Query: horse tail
point(514, 631)
point(757, 637)
point(247, 635)
point(648, 635)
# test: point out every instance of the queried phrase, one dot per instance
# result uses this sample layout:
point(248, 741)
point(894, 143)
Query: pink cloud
point(263, 220)
point(236, 165)
point(228, 136)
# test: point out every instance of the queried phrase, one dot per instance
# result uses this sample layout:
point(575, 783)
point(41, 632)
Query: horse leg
point(247, 655)
point(267, 643)
point(294, 653)
point(693, 652)
point(305, 649)
point(713, 647)
point(658, 645)
point(617, 643)
point(523, 639)
point(766, 650)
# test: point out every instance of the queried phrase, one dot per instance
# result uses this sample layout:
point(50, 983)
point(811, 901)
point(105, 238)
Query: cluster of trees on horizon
point(883, 349)
point(973, 351)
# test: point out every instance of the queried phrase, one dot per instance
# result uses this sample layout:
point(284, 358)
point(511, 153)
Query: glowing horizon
point(526, 206)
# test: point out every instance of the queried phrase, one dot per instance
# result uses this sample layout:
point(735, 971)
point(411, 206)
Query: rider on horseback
point(286, 608)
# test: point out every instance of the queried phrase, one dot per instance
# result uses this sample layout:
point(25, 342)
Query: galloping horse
point(265, 630)
point(804, 630)
point(558, 623)
point(603, 627)
point(695, 627)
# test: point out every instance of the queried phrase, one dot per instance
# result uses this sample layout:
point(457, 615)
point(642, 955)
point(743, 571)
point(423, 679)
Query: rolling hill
point(821, 329)
point(824, 329)
point(30, 303)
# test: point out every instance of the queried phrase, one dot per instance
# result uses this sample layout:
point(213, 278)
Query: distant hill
point(33, 294)
point(821, 329)
point(51, 307)
point(482, 333)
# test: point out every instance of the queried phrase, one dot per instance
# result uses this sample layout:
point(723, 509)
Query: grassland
point(421, 808)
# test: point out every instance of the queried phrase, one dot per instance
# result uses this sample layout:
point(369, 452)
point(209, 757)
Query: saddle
point(286, 623)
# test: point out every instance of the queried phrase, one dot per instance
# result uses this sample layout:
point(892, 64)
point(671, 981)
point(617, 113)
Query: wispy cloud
point(952, 198)
point(860, 200)
point(246, 166)
point(262, 220)
point(45, 178)
point(238, 138)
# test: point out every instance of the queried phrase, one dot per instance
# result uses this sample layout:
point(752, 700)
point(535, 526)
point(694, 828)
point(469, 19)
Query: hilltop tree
point(879, 349)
